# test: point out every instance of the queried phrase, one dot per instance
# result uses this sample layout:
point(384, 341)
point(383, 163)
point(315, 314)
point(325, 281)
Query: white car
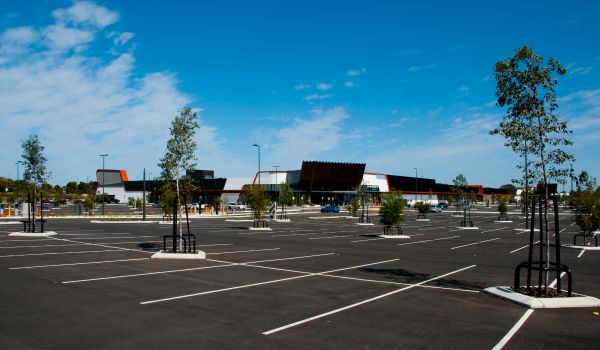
point(236, 206)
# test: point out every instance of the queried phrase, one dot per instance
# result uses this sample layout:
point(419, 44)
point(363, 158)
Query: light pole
point(18, 170)
point(571, 175)
point(255, 145)
point(144, 198)
point(276, 184)
point(416, 177)
point(103, 196)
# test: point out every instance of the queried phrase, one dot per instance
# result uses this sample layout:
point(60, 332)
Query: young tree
point(587, 206)
point(460, 184)
point(35, 172)
point(525, 84)
point(391, 209)
point(258, 201)
point(179, 156)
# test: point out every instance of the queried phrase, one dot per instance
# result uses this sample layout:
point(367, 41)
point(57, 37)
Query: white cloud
point(15, 42)
point(580, 70)
point(122, 38)
point(86, 13)
point(324, 86)
point(464, 90)
point(486, 78)
point(349, 84)
point(309, 138)
point(418, 68)
point(317, 97)
point(60, 38)
point(356, 72)
point(302, 86)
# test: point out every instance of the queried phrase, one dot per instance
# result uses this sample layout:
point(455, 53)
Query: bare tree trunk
point(179, 216)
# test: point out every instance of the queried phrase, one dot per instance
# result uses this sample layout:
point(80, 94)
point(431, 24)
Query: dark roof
point(331, 176)
point(408, 184)
point(202, 185)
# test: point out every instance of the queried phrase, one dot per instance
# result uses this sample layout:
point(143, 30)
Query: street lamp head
point(255, 145)
point(104, 155)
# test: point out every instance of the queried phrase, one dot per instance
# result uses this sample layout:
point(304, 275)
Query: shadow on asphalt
point(405, 276)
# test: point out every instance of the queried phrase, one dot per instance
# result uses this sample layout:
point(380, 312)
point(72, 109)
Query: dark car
point(442, 205)
point(330, 209)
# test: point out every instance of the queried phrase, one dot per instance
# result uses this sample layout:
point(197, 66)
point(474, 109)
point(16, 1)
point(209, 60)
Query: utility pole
point(276, 184)
point(144, 198)
point(416, 177)
point(258, 146)
point(103, 195)
point(18, 170)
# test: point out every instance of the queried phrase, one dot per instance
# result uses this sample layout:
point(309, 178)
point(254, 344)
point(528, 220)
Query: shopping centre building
point(314, 183)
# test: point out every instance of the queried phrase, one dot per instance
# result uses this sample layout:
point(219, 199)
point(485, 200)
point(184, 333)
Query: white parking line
point(402, 284)
point(362, 302)
point(260, 283)
point(293, 258)
point(513, 330)
point(146, 274)
point(523, 247)
point(297, 234)
point(72, 264)
point(429, 240)
point(243, 251)
point(329, 237)
point(42, 246)
point(496, 229)
point(470, 244)
point(580, 254)
point(81, 252)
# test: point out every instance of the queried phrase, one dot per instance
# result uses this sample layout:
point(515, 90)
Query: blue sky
point(392, 84)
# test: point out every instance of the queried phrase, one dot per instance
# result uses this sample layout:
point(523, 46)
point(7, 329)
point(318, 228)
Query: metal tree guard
point(543, 265)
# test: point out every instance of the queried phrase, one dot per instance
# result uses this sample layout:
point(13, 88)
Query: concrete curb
point(185, 256)
point(363, 224)
point(33, 234)
point(123, 222)
point(468, 228)
point(260, 229)
point(542, 303)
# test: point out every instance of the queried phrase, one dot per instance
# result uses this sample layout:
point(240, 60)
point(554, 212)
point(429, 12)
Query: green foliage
point(503, 205)
point(525, 83)
point(166, 202)
point(34, 162)
point(285, 193)
point(423, 208)
point(354, 205)
point(138, 203)
point(258, 201)
point(451, 200)
point(71, 187)
point(585, 182)
point(390, 212)
point(460, 184)
point(587, 207)
point(130, 201)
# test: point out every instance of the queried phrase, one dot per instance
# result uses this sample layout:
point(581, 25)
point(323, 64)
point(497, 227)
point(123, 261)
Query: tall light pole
point(571, 175)
point(416, 177)
point(255, 145)
point(103, 196)
point(18, 170)
point(144, 198)
point(276, 184)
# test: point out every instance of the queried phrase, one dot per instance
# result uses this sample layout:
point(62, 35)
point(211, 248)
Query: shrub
point(587, 206)
point(423, 208)
point(503, 206)
point(258, 201)
point(391, 209)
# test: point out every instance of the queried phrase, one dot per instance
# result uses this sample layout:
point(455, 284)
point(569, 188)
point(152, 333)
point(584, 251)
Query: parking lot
point(319, 281)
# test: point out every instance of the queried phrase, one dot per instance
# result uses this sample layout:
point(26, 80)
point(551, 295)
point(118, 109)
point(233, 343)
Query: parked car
point(436, 209)
point(330, 209)
point(236, 206)
point(442, 205)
